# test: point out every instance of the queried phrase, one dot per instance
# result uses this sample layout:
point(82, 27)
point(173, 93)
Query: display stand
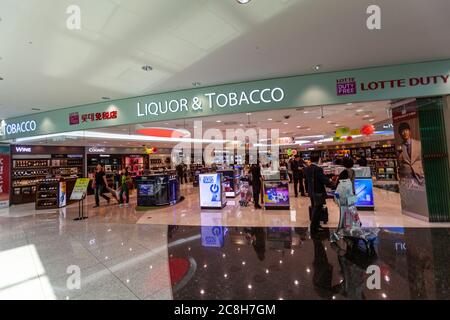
point(212, 193)
point(81, 209)
point(79, 193)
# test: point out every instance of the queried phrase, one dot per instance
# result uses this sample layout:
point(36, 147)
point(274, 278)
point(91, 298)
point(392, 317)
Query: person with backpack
point(317, 181)
point(348, 172)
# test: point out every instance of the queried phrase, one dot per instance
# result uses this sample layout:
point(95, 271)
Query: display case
point(33, 164)
point(231, 179)
point(51, 194)
point(276, 195)
point(157, 190)
point(212, 193)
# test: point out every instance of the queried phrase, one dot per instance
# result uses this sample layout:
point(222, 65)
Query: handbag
point(318, 197)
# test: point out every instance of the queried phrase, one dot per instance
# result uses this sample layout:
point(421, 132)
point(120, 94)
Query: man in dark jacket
point(317, 181)
point(297, 167)
point(256, 183)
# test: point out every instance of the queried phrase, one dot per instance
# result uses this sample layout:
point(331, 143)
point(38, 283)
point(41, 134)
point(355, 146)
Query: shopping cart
point(350, 227)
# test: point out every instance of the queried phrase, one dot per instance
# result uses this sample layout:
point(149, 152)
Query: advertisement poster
point(62, 194)
point(409, 155)
point(4, 176)
point(364, 192)
point(276, 194)
point(80, 188)
point(211, 190)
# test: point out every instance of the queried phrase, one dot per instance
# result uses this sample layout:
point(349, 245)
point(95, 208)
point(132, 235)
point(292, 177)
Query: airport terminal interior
point(296, 179)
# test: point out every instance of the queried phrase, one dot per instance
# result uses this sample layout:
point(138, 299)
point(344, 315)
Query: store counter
point(157, 190)
point(231, 179)
point(54, 193)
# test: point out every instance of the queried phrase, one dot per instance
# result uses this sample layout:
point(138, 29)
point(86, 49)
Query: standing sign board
point(4, 176)
point(80, 189)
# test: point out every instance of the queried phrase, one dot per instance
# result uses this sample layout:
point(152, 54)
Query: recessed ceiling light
point(336, 125)
point(243, 1)
point(317, 67)
point(106, 98)
point(248, 113)
point(359, 110)
point(270, 119)
point(329, 121)
point(147, 68)
point(285, 123)
point(308, 129)
point(298, 126)
point(305, 112)
point(218, 121)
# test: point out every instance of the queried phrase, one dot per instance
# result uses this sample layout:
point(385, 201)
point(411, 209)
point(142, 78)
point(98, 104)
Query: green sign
point(392, 82)
point(80, 189)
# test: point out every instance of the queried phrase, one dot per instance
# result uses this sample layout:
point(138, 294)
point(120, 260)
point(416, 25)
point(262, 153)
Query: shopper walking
point(289, 168)
point(100, 185)
point(256, 183)
point(298, 175)
point(317, 181)
point(179, 169)
point(125, 181)
point(185, 173)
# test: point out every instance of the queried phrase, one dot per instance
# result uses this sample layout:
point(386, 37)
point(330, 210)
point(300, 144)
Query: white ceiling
point(47, 66)
point(298, 123)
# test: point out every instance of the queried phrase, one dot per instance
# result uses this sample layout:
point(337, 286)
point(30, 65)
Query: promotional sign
point(4, 176)
point(211, 191)
point(381, 83)
point(276, 194)
point(364, 192)
point(62, 194)
point(409, 156)
point(80, 189)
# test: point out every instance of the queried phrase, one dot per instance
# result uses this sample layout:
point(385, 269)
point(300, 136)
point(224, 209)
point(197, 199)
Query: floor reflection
point(287, 263)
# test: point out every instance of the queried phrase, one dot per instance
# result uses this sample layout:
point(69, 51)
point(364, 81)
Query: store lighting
point(202, 291)
point(115, 136)
point(218, 121)
point(270, 119)
point(243, 1)
point(298, 127)
point(249, 286)
point(317, 67)
point(296, 282)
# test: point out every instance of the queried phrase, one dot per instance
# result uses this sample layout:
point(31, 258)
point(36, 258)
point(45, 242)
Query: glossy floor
point(121, 253)
point(387, 213)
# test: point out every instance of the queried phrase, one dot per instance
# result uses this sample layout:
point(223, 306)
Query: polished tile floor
point(123, 254)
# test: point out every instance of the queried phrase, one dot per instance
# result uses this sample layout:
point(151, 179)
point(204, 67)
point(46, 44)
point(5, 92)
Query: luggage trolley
point(350, 227)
